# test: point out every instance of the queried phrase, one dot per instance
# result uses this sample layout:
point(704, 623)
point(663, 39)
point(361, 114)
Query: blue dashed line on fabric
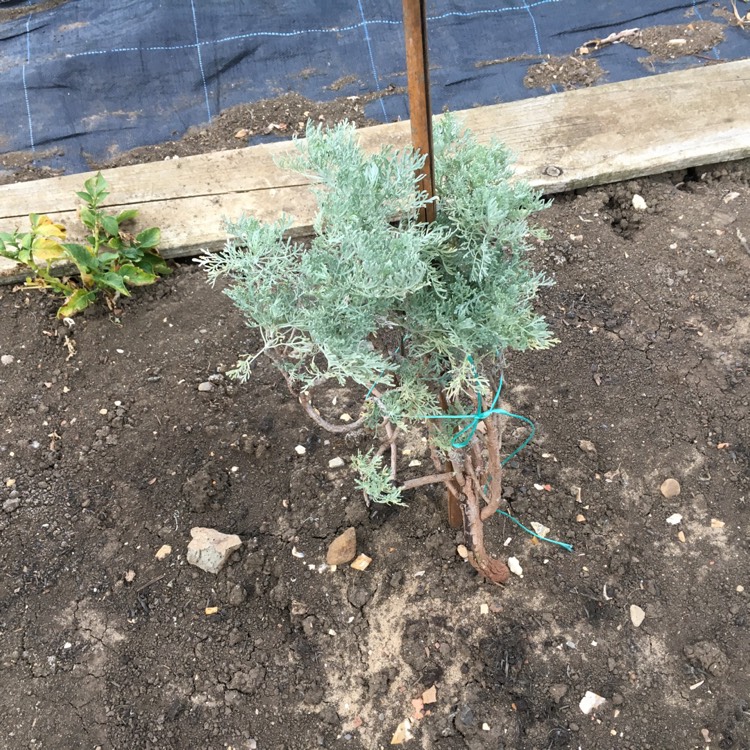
point(372, 56)
point(536, 35)
point(200, 59)
point(25, 87)
point(302, 32)
point(697, 12)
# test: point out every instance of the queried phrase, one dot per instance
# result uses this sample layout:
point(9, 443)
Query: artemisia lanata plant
point(416, 316)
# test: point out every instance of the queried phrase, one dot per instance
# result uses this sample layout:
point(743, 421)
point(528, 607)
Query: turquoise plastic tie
point(464, 436)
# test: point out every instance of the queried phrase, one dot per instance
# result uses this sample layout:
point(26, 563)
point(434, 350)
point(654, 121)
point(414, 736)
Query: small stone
point(206, 387)
point(639, 204)
point(7, 359)
point(343, 548)
point(580, 518)
point(587, 446)
point(358, 596)
point(670, 488)
point(462, 551)
point(590, 702)
point(300, 450)
point(515, 567)
point(237, 595)
point(674, 519)
point(558, 691)
point(210, 549)
point(681, 536)
point(430, 695)
point(362, 562)
point(10, 505)
point(336, 463)
point(164, 551)
point(637, 615)
point(717, 524)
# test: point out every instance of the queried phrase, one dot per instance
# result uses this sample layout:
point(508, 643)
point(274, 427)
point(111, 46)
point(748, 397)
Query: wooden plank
point(562, 141)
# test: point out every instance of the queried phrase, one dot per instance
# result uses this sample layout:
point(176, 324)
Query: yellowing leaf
point(47, 228)
point(47, 250)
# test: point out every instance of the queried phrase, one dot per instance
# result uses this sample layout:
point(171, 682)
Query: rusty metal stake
point(420, 111)
point(420, 115)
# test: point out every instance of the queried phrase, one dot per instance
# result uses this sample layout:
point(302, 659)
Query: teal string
point(564, 545)
point(464, 436)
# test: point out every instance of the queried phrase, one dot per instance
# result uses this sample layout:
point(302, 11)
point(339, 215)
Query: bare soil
point(108, 451)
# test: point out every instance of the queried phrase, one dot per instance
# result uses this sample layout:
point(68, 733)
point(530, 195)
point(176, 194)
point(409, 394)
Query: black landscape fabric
point(82, 80)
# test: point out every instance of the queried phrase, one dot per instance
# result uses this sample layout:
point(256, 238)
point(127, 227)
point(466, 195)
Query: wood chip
point(402, 733)
point(430, 695)
point(637, 615)
point(362, 562)
point(211, 610)
point(717, 524)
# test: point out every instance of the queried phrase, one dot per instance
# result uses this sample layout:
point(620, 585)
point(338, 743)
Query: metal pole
point(420, 111)
point(420, 114)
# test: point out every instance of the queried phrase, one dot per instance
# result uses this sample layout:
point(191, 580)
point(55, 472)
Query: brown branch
point(392, 432)
point(304, 399)
point(495, 467)
point(492, 569)
point(410, 484)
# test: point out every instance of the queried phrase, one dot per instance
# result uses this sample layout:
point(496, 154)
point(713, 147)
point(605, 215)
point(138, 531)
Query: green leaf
point(84, 196)
point(127, 215)
point(88, 217)
point(110, 225)
point(149, 238)
point(131, 253)
point(152, 262)
point(108, 257)
point(136, 276)
point(115, 243)
point(82, 257)
point(113, 280)
point(78, 301)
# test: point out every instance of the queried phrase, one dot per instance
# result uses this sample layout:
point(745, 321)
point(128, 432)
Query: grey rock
point(7, 359)
point(205, 387)
point(10, 505)
point(237, 595)
point(557, 691)
point(210, 549)
point(358, 596)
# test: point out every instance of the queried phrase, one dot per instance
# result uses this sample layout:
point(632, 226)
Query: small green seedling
point(109, 262)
